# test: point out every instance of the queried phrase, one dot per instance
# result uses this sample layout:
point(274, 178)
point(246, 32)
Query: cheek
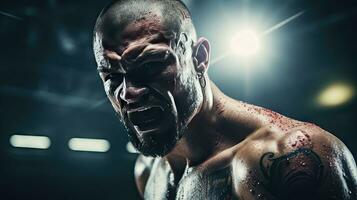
point(110, 92)
point(107, 88)
point(168, 79)
point(188, 92)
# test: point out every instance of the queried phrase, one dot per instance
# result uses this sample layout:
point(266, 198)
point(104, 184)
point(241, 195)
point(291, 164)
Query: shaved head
point(172, 15)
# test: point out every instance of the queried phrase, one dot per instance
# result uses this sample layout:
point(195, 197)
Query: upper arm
point(340, 171)
point(310, 163)
point(306, 164)
point(142, 171)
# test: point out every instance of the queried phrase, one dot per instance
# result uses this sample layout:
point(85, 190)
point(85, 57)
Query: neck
point(221, 123)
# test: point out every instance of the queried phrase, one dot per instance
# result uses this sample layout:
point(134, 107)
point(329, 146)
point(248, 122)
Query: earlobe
point(201, 55)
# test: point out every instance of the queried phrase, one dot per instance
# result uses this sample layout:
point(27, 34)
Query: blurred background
point(60, 138)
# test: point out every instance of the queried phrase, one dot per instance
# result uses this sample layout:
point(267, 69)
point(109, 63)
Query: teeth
point(141, 109)
point(138, 109)
point(142, 132)
point(145, 118)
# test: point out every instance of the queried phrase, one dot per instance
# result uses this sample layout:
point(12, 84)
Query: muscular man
point(195, 142)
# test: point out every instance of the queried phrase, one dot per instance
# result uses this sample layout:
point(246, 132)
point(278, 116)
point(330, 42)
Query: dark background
point(49, 85)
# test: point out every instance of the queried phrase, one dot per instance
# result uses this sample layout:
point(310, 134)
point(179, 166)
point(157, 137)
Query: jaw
point(156, 140)
point(153, 143)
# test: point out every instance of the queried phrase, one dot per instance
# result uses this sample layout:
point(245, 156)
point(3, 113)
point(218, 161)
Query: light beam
point(10, 16)
point(264, 33)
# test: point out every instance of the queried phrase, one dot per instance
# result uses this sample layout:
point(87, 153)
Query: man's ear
point(201, 55)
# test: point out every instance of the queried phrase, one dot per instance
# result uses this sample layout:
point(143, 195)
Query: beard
point(154, 144)
point(158, 143)
point(176, 116)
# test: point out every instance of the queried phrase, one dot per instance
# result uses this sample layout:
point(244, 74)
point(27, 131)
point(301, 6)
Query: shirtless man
point(195, 142)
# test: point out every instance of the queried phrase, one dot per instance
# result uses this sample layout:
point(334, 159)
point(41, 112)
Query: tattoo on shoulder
point(296, 173)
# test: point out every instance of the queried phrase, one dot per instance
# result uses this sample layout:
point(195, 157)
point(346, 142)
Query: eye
point(153, 68)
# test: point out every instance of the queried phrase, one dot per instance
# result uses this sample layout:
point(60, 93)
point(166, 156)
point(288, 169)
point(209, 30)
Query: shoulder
point(303, 160)
point(142, 170)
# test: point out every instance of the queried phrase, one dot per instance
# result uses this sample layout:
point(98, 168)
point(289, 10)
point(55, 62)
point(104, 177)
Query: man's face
point(149, 77)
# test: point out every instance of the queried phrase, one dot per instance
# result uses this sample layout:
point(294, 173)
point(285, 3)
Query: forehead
point(118, 30)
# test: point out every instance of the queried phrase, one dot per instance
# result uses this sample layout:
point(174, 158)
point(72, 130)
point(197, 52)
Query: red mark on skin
point(302, 140)
point(143, 26)
point(294, 144)
point(310, 125)
point(307, 136)
point(274, 118)
point(277, 119)
point(152, 22)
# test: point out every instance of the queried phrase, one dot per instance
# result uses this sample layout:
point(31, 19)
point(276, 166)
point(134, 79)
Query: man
point(197, 143)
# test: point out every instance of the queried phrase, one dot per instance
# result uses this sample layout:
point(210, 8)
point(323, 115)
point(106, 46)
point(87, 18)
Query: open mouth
point(146, 118)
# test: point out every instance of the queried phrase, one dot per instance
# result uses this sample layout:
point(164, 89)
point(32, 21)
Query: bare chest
point(195, 184)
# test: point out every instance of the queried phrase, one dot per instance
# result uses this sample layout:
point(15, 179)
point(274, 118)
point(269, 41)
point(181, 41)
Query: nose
point(132, 93)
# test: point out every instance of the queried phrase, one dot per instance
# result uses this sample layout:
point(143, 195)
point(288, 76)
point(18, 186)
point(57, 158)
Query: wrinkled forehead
point(120, 27)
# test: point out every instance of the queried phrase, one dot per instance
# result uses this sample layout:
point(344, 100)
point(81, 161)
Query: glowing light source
point(30, 141)
point(130, 148)
point(335, 94)
point(245, 43)
point(87, 144)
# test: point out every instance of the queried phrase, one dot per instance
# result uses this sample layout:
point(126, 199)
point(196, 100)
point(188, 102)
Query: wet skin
point(283, 159)
point(201, 144)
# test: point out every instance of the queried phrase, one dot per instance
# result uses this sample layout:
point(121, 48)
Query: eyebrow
point(155, 38)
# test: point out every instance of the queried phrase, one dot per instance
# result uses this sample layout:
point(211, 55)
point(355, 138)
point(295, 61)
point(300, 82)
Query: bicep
point(341, 173)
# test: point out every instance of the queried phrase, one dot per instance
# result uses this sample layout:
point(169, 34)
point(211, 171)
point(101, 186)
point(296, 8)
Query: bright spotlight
point(87, 144)
point(245, 43)
point(335, 94)
point(30, 141)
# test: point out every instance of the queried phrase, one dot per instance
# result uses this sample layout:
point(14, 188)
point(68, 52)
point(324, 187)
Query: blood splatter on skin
point(303, 139)
point(147, 24)
point(274, 119)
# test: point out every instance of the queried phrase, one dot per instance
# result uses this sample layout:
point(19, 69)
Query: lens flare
point(245, 43)
point(335, 95)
